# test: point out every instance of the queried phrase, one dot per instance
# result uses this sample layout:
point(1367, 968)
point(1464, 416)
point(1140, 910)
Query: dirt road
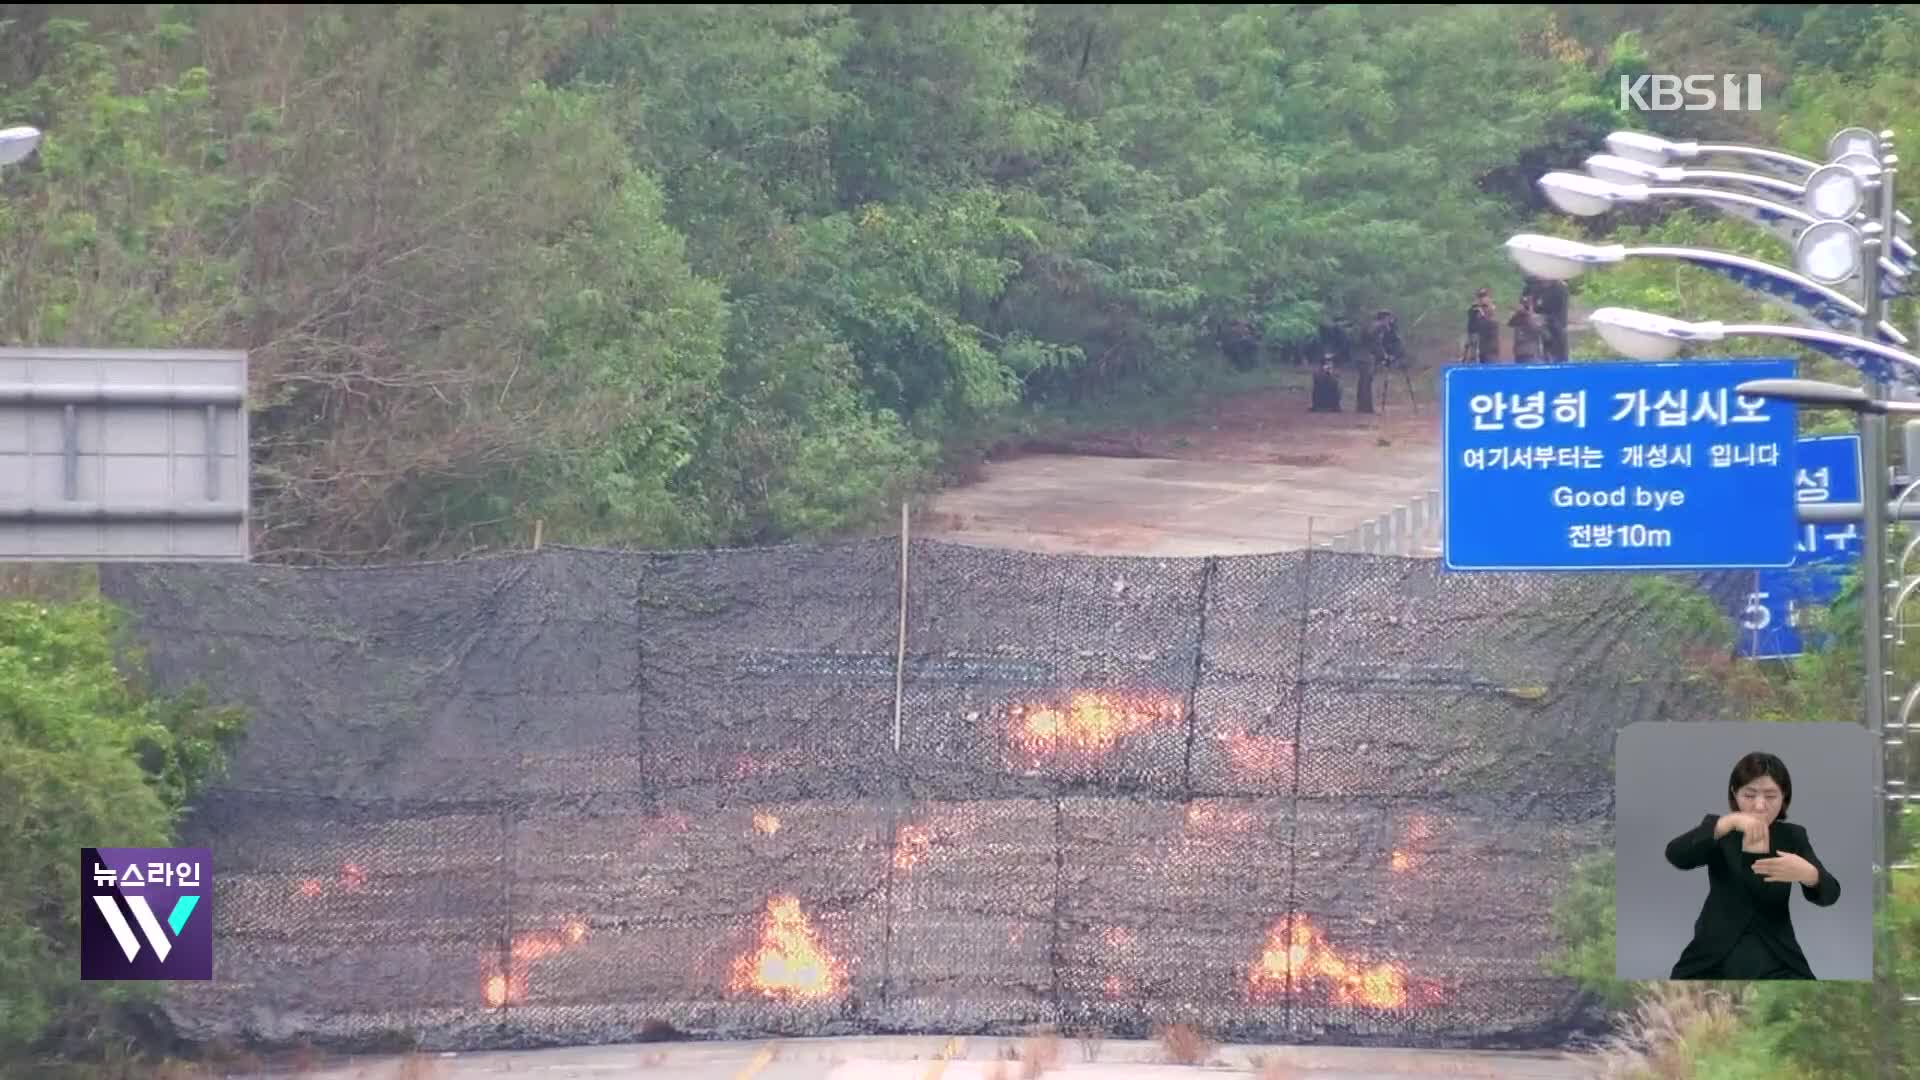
point(1259, 473)
point(959, 1058)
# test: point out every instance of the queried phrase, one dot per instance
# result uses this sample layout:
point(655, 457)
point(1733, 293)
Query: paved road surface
point(1062, 504)
point(967, 1058)
point(1255, 476)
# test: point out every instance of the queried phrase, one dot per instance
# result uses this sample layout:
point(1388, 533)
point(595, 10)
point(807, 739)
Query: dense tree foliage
point(704, 274)
point(720, 274)
point(87, 759)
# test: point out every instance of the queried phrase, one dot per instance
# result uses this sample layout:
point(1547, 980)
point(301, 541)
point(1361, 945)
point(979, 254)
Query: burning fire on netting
point(351, 879)
point(498, 988)
point(1296, 951)
point(789, 963)
point(1089, 723)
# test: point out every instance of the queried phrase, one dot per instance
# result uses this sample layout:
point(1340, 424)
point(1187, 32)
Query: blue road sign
point(1827, 469)
point(1617, 466)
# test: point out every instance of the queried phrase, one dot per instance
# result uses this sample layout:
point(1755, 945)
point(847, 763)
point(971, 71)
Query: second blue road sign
point(1617, 466)
point(1827, 469)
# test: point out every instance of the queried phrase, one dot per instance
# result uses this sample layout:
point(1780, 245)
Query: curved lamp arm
point(1586, 196)
point(1906, 706)
point(1654, 150)
point(1906, 592)
point(1773, 162)
point(1819, 302)
point(1906, 556)
point(1647, 336)
point(1880, 363)
point(1783, 221)
point(1786, 223)
point(1901, 502)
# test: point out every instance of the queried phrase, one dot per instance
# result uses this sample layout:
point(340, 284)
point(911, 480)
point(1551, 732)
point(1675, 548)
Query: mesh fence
point(583, 796)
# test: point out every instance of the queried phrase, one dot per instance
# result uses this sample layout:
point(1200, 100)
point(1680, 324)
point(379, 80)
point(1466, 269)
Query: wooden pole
point(900, 653)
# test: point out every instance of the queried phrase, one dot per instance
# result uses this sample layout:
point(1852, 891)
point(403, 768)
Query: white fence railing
point(1412, 529)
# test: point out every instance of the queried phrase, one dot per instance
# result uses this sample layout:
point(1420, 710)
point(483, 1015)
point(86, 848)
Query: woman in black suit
point(1754, 857)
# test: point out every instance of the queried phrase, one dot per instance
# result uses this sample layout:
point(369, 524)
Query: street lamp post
point(1883, 252)
point(1655, 337)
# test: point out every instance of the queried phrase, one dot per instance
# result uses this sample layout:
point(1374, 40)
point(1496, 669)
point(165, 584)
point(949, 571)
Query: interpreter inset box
point(1743, 851)
point(1617, 466)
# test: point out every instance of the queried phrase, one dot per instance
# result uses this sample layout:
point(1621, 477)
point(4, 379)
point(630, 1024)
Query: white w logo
point(149, 925)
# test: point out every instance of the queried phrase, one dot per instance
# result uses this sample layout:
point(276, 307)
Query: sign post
point(1827, 470)
point(1618, 466)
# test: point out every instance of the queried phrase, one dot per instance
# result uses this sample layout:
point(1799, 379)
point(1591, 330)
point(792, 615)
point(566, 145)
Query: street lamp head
point(1854, 140)
point(1866, 165)
point(16, 143)
point(1828, 252)
point(1585, 196)
point(1808, 392)
point(1625, 170)
point(1650, 149)
point(1556, 259)
point(1834, 191)
point(1646, 336)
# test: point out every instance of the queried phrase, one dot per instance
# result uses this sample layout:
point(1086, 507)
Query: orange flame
point(1213, 819)
point(526, 947)
point(310, 888)
point(1091, 723)
point(1402, 862)
point(1259, 755)
point(765, 824)
point(911, 844)
point(1303, 951)
point(353, 877)
point(790, 962)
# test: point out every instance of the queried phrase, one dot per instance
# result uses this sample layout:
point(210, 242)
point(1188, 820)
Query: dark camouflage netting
point(579, 795)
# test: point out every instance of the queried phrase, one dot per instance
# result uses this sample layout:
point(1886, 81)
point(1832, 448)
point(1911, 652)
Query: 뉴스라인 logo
point(146, 913)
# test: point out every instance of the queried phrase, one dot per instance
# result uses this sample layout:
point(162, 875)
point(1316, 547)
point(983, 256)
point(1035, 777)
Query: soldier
point(1383, 347)
point(1336, 342)
point(1526, 332)
point(1385, 340)
point(1483, 331)
point(1550, 303)
point(1326, 388)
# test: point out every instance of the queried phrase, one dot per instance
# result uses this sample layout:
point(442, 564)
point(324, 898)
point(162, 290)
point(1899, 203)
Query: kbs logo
point(146, 913)
point(1695, 93)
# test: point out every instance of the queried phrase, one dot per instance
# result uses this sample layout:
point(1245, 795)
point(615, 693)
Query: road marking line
point(946, 1054)
point(759, 1062)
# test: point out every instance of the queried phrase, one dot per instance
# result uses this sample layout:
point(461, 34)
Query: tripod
point(1405, 371)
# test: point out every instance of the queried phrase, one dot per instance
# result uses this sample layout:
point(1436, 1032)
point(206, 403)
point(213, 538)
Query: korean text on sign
point(1617, 466)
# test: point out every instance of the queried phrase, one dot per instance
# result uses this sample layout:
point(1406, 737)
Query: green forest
point(683, 276)
point(693, 275)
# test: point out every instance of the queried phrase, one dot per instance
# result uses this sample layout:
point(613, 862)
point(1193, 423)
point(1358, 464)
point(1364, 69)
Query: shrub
point(87, 759)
